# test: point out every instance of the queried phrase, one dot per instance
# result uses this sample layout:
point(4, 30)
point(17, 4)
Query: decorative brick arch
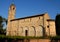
point(20, 31)
point(40, 31)
point(43, 28)
point(32, 31)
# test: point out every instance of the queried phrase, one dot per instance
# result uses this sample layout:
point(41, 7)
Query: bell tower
point(12, 11)
point(11, 15)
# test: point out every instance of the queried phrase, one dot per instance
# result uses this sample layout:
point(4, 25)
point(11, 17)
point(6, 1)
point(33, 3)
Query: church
point(36, 25)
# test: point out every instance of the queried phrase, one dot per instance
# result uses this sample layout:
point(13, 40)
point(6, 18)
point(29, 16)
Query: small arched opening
point(25, 31)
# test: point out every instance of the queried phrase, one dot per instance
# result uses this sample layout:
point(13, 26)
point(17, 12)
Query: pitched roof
point(28, 17)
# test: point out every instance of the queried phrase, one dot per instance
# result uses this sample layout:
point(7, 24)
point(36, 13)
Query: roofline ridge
point(29, 17)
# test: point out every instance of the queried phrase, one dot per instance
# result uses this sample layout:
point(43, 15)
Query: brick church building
point(36, 25)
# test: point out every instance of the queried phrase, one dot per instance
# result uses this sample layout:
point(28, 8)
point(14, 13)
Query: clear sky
point(31, 7)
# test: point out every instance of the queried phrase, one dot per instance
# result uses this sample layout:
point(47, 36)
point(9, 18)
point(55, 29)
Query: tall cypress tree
point(57, 21)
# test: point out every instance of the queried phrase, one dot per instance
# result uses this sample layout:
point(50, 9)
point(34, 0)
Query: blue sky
point(31, 7)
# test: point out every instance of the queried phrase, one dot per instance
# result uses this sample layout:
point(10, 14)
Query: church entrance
point(26, 32)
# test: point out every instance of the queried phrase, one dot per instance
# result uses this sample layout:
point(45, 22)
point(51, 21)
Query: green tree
point(2, 20)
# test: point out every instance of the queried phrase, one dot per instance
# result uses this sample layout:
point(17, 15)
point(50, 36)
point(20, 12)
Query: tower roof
point(12, 4)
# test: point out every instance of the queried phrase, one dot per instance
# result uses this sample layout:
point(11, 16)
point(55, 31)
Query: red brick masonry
point(40, 40)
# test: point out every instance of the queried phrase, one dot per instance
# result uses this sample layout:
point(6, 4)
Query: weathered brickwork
point(11, 13)
point(36, 25)
point(52, 28)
